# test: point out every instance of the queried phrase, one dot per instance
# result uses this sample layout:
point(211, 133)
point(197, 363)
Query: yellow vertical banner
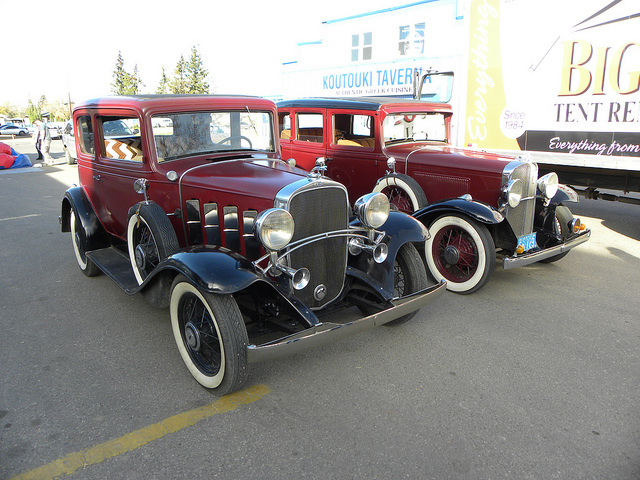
point(485, 88)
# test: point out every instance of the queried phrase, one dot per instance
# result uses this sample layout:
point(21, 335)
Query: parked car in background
point(246, 250)
point(10, 129)
point(475, 204)
point(69, 143)
point(55, 130)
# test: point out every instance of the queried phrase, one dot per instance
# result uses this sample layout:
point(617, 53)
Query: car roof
point(360, 103)
point(154, 102)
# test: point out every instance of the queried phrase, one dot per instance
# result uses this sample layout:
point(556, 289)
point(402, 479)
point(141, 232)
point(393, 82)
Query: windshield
point(186, 134)
point(414, 126)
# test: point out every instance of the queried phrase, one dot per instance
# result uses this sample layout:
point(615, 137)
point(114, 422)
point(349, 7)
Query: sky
point(69, 49)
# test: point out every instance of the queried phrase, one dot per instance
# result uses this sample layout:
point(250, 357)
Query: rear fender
point(96, 235)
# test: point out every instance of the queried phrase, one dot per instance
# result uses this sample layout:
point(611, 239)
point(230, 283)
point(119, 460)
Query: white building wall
point(324, 68)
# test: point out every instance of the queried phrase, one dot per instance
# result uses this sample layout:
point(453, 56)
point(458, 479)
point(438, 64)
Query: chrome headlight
point(372, 209)
point(548, 185)
point(274, 228)
point(512, 192)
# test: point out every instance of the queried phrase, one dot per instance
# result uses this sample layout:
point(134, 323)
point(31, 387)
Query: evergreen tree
point(196, 74)
point(179, 82)
point(120, 77)
point(134, 82)
point(125, 83)
point(163, 86)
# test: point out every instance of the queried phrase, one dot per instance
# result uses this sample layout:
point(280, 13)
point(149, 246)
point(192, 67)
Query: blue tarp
point(19, 159)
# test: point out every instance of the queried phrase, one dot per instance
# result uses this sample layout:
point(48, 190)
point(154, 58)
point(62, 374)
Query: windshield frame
point(212, 132)
point(437, 132)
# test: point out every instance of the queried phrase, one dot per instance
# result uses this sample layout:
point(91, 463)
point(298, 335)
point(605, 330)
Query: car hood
point(447, 156)
point(252, 177)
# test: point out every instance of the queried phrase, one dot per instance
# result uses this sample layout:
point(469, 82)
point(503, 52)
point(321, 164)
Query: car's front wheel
point(563, 218)
point(210, 335)
point(460, 251)
point(150, 239)
point(409, 276)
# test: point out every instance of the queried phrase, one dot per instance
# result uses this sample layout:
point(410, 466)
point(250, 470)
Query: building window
point(361, 46)
point(411, 39)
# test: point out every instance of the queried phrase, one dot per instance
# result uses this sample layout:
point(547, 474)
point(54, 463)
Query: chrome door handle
point(96, 177)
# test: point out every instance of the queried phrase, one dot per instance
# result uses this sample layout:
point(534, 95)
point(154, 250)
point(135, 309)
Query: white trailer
point(561, 82)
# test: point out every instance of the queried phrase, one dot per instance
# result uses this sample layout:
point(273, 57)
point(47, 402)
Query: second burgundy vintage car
point(185, 199)
point(475, 204)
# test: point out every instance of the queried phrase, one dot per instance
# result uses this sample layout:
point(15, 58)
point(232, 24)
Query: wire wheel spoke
point(457, 244)
point(200, 335)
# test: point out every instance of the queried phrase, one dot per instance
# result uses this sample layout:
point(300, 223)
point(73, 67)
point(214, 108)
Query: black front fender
point(565, 194)
point(399, 229)
point(222, 271)
point(476, 210)
point(215, 269)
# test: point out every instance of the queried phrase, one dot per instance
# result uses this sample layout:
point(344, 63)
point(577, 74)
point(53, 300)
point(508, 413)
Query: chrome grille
point(317, 210)
point(521, 217)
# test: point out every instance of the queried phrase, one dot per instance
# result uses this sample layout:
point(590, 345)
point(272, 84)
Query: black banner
point(621, 144)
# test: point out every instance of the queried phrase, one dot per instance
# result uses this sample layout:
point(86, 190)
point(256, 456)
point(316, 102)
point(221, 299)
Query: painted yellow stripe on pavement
point(74, 461)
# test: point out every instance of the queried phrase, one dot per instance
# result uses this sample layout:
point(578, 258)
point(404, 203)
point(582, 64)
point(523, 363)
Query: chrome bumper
point(325, 333)
point(529, 258)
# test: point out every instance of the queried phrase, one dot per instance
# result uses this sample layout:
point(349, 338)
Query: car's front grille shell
point(315, 210)
point(521, 217)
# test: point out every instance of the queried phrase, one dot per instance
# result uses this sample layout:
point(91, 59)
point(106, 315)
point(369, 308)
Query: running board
point(115, 265)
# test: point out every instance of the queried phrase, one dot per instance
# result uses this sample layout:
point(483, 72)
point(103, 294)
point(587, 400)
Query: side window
point(121, 138)
point(85, 135)
point(284, 125)
point(354, 130)
point(310, 128)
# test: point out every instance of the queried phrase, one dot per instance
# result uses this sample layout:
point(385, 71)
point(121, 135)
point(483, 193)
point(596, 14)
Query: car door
point(306, 136)
point(353, 151)
point(119, 162)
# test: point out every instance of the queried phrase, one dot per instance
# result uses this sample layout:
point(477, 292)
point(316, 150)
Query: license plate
point(528, 241)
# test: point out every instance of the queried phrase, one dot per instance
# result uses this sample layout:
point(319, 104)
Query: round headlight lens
point(274, 228)
point(512, 192)
point(372, 209)
point(548, 185)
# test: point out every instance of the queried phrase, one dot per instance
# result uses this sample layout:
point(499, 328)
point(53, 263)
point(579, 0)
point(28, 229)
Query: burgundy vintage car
point(185, 199)
point(475, 204)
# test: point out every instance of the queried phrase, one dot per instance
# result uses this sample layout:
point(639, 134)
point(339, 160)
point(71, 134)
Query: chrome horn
point(379, 251)
point(299, 278)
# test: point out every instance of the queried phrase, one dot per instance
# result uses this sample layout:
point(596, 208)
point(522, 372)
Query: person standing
point(46, 143)
point(37, 137)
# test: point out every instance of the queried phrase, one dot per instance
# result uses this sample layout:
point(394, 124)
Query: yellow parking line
point(74, 461)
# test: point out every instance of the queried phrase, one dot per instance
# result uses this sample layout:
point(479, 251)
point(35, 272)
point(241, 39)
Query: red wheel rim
point(399, 198)
point(455, 254)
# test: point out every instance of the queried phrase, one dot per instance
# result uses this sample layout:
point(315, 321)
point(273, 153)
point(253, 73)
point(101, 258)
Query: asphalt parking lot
point(535, 376)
